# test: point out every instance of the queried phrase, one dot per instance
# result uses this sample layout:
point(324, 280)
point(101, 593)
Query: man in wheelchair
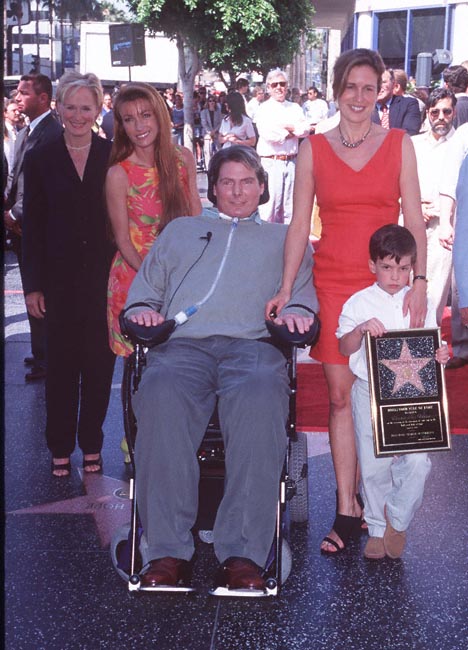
point(213, 274)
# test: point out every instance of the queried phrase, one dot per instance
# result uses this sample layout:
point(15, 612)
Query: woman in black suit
point(66, 256)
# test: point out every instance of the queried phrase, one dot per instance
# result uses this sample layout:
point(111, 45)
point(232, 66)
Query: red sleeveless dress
point(353, 205)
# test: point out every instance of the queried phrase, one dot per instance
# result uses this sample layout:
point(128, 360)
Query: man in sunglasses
point(431, 150)
point(280, 124)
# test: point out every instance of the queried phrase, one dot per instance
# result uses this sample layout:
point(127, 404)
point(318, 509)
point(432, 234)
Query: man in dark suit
point(107, 124)
point(33, 97)
point(396, 112)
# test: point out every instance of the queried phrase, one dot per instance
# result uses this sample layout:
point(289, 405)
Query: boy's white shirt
point(374, 302)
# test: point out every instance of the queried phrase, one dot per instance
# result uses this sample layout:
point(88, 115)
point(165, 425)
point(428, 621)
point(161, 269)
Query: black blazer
point(66, 248)
point(404, 114)
point(47, 130)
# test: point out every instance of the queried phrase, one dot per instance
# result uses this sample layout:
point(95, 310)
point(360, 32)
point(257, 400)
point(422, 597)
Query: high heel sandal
point(90, 463)
point(59, 467)
point(345, 527)
point(360, 501)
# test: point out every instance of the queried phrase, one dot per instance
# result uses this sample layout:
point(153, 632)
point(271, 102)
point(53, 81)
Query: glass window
point(392, 37)
point(427, 32)
point(426, 29)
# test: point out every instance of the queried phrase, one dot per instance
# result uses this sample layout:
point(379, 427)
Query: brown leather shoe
point(166, 572)
point(456, 362)
point(240, 573)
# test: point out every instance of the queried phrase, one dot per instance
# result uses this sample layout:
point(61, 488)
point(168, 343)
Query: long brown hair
point(167, 156)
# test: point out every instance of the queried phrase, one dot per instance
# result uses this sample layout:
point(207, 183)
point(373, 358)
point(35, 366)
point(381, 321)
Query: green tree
point(227, 35)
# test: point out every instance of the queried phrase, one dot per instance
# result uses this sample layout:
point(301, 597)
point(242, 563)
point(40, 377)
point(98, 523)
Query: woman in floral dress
point(149, 183)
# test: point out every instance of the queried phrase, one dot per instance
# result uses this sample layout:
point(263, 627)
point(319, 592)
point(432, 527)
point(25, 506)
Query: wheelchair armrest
point(147, 336)
point(282, 336)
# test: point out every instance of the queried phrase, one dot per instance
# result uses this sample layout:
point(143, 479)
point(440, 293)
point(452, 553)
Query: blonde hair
point(72, 80)
point(167, 156)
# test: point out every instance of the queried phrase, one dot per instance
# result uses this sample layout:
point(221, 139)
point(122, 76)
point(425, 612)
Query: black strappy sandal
point(59, 467)
point(90, 463)
point(360, 501)
point(345, 527)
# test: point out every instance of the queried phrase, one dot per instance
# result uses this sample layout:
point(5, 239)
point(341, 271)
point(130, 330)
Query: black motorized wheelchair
point(129, 548)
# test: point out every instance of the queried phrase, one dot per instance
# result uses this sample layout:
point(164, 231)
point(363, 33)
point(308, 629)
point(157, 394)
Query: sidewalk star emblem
point(406, 369)
point(106, 499)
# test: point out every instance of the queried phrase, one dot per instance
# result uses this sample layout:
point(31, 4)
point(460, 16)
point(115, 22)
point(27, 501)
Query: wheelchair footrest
point(225, 592)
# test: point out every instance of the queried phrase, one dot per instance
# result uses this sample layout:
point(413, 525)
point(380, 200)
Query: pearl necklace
point(353, 145)
point(77, 148)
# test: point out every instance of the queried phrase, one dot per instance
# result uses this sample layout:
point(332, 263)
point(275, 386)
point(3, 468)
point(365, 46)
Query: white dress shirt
point(430, 156)
point(271, 118)
point(374, 302)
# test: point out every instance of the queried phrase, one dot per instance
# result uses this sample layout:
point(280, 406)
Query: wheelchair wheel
point(120, 552)
point(298, 469)
point(286, 560)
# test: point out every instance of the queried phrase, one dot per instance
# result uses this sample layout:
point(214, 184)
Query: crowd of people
point(95, 198)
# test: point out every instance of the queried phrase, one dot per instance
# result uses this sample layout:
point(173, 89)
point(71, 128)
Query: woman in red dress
point(359, 172)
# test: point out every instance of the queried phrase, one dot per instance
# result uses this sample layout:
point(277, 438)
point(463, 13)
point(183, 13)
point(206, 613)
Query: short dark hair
point(242, 83)
point(40, 83)
point(392, 241)
point(241, 154)
point(456, 78)
point(349, 60)
point(441, 93)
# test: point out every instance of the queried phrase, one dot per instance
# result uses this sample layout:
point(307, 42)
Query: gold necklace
point(353, 145)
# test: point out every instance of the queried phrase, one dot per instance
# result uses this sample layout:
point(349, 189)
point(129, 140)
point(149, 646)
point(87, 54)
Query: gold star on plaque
point(406, 369)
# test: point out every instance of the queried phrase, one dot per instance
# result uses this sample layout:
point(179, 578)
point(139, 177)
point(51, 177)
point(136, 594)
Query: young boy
point(392, 488)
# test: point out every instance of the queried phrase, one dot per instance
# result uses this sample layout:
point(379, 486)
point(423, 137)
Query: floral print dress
point(144, 211)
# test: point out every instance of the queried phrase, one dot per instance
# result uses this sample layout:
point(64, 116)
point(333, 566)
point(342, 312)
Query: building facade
point(400, 30)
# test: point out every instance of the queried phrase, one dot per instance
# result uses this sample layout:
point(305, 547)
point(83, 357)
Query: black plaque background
point(410, 420)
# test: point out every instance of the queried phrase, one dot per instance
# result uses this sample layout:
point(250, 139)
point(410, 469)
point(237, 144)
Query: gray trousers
point(173, 406)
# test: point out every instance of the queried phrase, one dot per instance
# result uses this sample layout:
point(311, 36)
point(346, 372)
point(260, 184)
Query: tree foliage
point(78, 10)
point(232, 35)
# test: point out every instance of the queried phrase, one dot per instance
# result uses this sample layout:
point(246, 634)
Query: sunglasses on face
point(274, 84)
point(434, 112)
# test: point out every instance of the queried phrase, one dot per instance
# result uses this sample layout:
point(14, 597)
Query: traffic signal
point(36, 64)
point(127, 43)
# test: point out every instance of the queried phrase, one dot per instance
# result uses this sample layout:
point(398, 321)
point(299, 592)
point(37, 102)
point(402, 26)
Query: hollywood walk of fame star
point(406, 369)
point(106, 499)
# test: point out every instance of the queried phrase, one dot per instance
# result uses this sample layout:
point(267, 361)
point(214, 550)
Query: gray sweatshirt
point(170, 279)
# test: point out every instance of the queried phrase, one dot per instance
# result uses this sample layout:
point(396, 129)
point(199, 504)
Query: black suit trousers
point(36, 325)
point(80, 366)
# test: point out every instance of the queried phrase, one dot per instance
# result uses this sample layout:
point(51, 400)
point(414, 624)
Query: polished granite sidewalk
point(62, 593)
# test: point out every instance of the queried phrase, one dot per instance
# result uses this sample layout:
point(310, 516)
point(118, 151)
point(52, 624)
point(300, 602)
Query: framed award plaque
point(407, 392)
